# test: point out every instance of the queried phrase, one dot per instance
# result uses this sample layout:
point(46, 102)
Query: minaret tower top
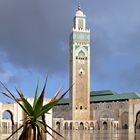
point(79, 19)
point(79, 7)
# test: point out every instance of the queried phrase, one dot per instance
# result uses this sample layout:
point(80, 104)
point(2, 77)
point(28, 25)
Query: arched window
point(137, 123)
point(124, 120)
point(66, 126)
point(92, 125)
point(7, 114)
point(8, 124)
point(81, 107)
point(71, 125)
point(58, 125)
point(104, 125)
point(81, 127)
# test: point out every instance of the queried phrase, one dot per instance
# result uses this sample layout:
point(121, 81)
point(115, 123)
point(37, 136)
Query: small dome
point(79, 13)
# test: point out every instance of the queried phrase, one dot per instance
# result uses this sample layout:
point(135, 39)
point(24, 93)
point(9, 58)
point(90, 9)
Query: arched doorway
point(7, 114)
point(81, 127)
point(71, 125)
point(92, 126)
point(66, 126)
point(7, 121)
point(124, 120)
point(58, 125)
point(76, 125)
point(137, 123)
point(104, 125)
point(97, 127)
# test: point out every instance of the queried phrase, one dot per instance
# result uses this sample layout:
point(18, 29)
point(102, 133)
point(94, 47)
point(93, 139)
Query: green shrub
point(34, 126)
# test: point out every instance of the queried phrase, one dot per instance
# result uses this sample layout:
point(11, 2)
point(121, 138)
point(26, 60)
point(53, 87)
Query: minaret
point(79, 47)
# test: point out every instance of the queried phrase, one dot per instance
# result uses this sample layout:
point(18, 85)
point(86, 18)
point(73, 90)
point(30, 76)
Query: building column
point(131, 117)
point(101, 125)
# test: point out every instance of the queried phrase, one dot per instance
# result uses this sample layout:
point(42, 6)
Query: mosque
point(85, 109)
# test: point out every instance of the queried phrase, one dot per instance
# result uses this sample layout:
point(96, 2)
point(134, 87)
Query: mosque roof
point(64, 101)
point(106, 96)
point(102, 92)
point(112, 96)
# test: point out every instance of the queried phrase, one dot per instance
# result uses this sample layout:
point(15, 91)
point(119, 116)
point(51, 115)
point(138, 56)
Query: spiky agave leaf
point(56, 95)
point(51, 135)
point(56, 132)
point(36, 95)
point(14, 132)
point(19, 93)
point(40, 125)
point(39, 136)
point(13, 97)
point(39, 102)
point(47, 107)
point(26, 104)
point(7, 95)
point(47, 126)
point(25, 131)
point(43, 120)
point(52, 103)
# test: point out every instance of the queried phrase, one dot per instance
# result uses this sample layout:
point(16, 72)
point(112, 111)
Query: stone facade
point(104, 115)
point(82, 111)
point(134, 115)
point(62, 112)
point(116, 112)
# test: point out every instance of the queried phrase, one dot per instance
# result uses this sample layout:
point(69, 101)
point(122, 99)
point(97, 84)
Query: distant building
point(96, 109)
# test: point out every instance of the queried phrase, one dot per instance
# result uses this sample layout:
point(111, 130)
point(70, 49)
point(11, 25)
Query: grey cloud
point(34, 34)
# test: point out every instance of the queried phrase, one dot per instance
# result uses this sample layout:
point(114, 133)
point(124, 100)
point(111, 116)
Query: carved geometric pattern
point(81, 53)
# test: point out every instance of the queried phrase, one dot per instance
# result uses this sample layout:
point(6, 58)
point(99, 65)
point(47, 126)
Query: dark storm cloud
point(115, 24)
point(34, 34)
point(116, 40)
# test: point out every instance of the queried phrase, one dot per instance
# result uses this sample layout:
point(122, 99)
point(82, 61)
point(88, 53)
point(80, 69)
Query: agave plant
point(34, 126)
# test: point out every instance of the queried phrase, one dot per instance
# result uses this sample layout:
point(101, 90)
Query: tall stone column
point(131, 117)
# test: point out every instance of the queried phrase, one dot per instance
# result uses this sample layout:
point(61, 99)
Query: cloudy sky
point(34, 42)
